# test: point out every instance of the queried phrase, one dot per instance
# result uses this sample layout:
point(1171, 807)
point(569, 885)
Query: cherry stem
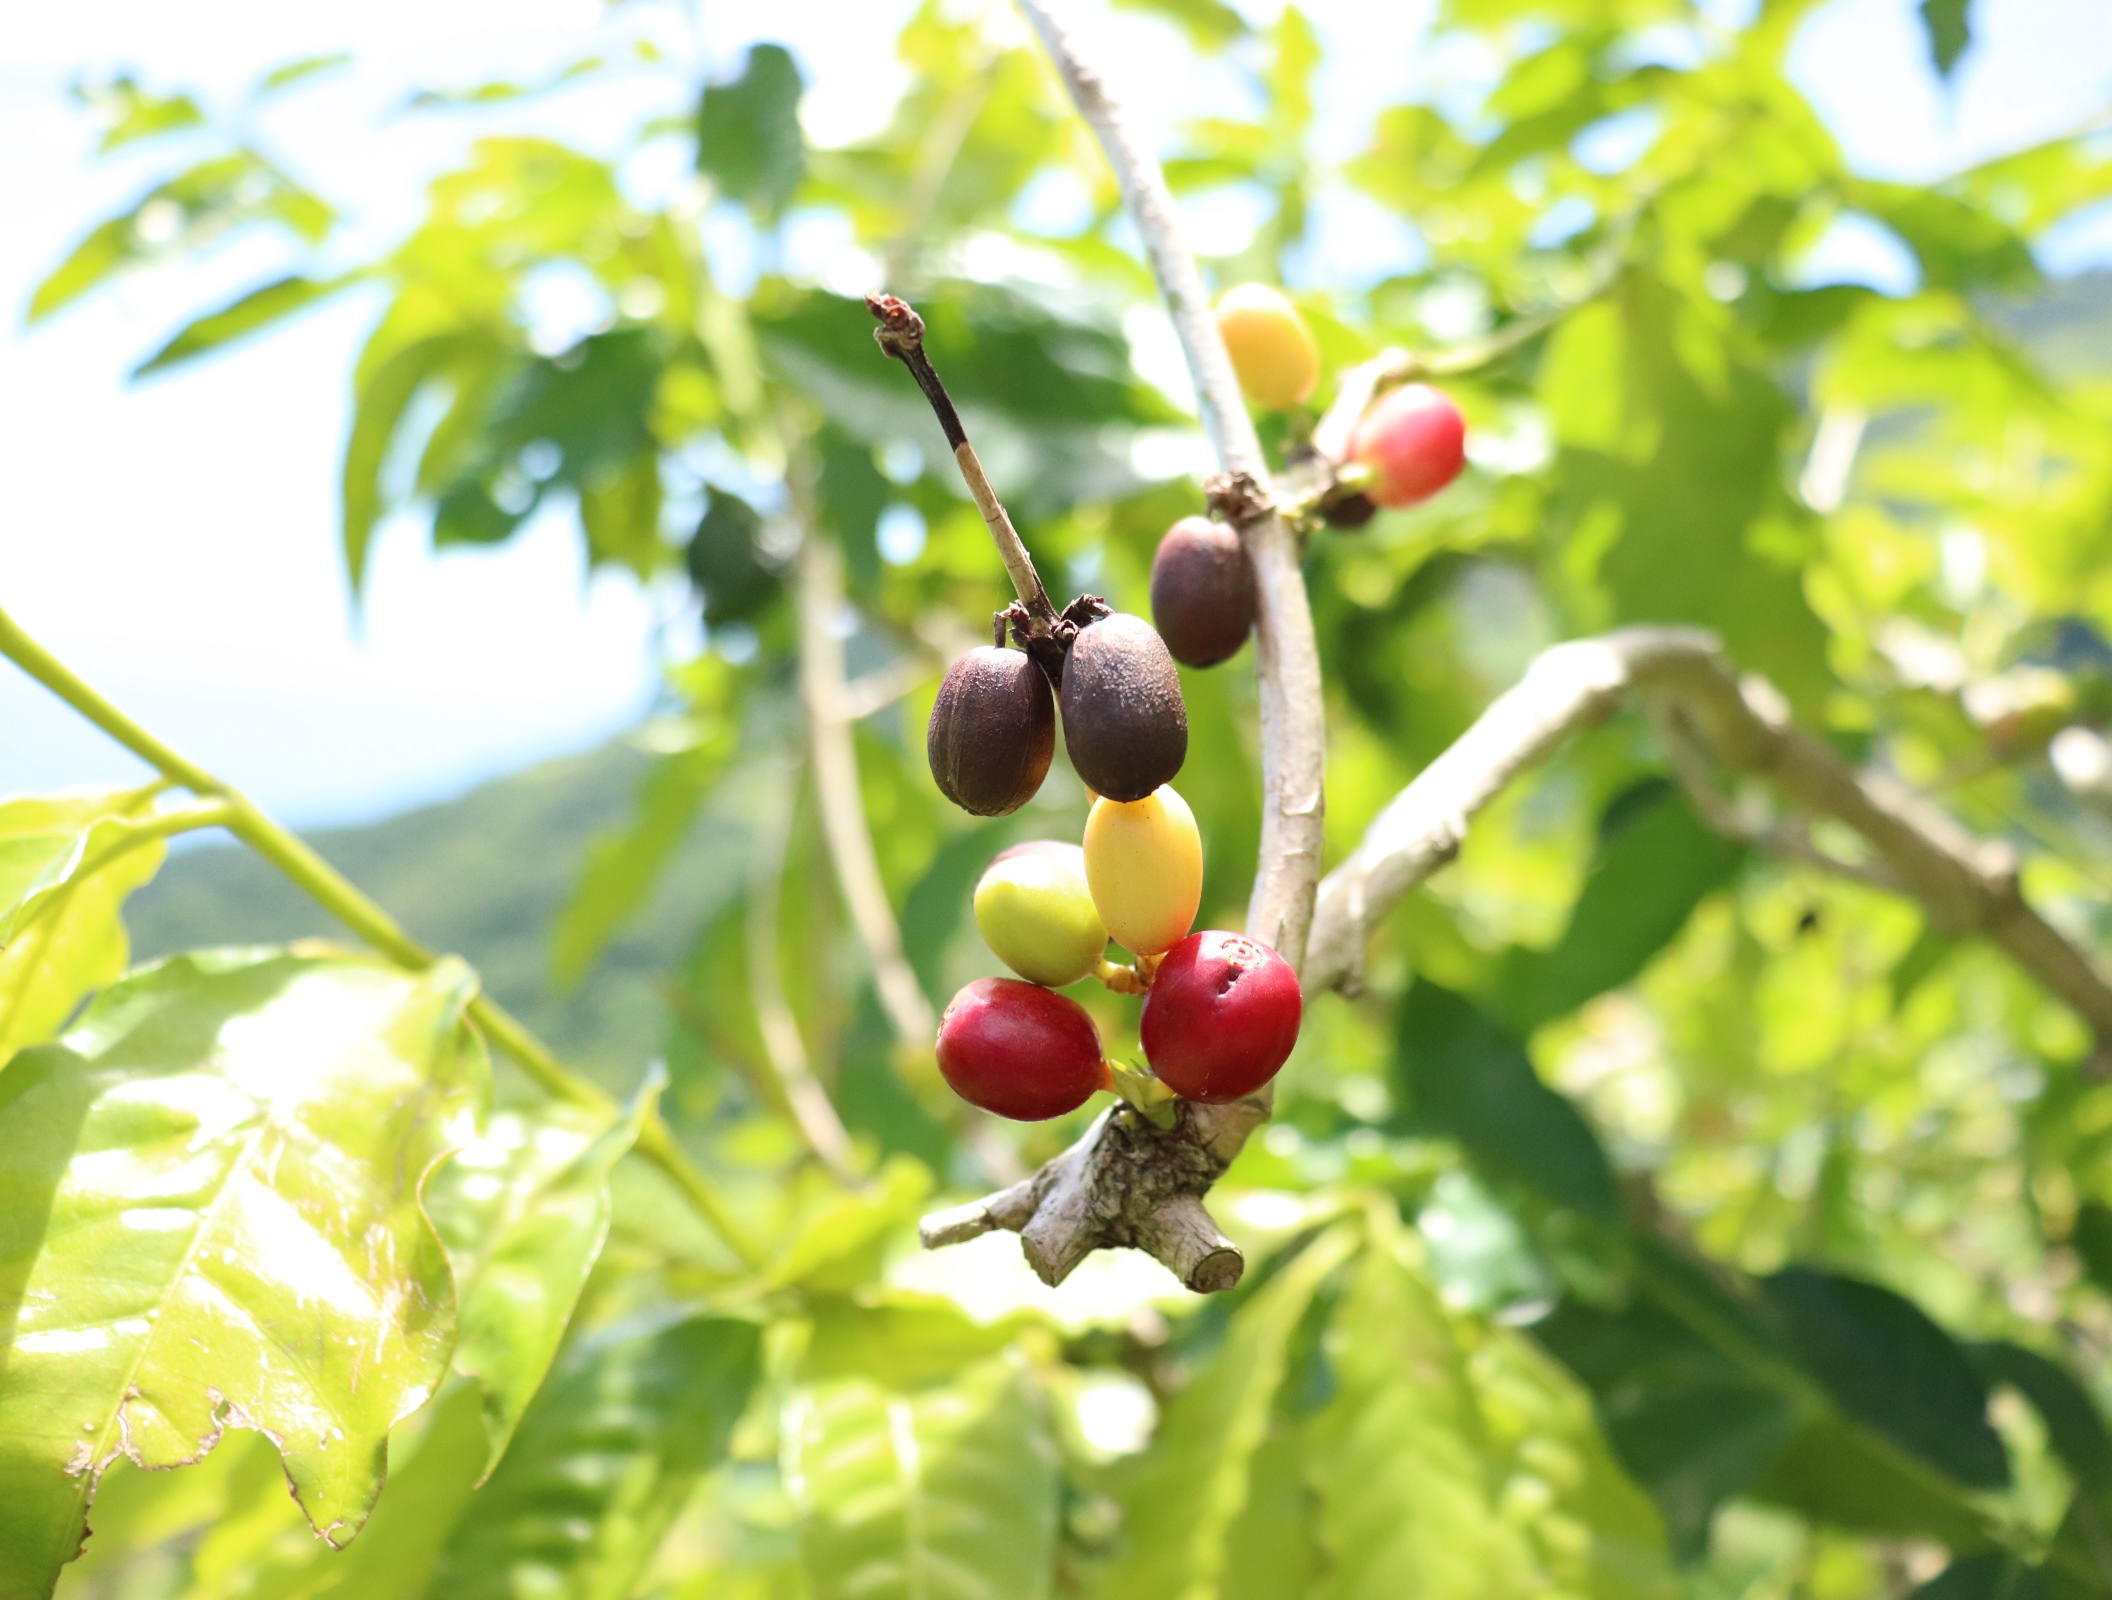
point(1121, 979)
point(901, 335)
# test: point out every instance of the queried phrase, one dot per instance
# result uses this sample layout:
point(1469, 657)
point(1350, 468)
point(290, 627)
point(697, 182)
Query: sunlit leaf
point(524, 1210)
point(217, 1183)
point(945, 1494)
point(839, 1245)
point(66, 866)
point(1180, 1498)
point(1647, 879)
point(1398, 1457)
point(131, 114)
point(300, 71)
point(1588, 1529)
point(901, 1341)
point(613, 1445)
point(1209, 24)
point(198, 205)
point(251, 313)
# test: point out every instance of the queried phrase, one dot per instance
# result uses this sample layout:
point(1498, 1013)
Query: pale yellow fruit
point(1144, 863)
point(1272, 349)
point(1037, 915)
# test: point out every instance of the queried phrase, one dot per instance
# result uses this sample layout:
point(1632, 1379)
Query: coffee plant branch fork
point(1127, 1181)
point(1967, 886)
point(228, 807)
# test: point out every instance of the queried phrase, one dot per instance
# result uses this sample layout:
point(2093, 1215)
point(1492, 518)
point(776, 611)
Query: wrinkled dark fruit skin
point(992, 732)
point(1221, 1016)
point(1020, 1051)
point(1202, 592)
point(1124, 721)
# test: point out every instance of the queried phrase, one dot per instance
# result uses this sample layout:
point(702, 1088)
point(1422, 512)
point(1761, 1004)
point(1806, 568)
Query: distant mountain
point(483, 876)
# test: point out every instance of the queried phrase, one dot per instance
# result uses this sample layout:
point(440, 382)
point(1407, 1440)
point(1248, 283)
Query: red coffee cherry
point(1221, 1016)
point(992, 732)
point(1020, 1050)
point(1202, 592)
point(1414, 441)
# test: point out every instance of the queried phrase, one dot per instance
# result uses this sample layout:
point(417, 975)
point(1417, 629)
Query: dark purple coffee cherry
point(1124, 722)
point(1350, 512)
point(993, 731)
point(1202, 592)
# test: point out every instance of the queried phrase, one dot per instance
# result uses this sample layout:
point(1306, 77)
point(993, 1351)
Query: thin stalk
point(783, 1047)
point(901, 335)
point(338, 895)
point(820, 595)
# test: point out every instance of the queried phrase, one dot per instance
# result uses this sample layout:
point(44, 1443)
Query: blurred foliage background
point(1659, 1219)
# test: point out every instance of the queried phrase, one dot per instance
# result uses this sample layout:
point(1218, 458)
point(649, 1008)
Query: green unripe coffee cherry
point(1036, 913)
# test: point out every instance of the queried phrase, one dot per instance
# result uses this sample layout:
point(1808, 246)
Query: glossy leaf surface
point(942, 1494)
point(66, 865)
point(524, 1208)
point(216, 1223)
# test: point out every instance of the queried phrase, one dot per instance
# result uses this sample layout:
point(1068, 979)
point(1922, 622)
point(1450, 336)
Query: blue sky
point(175, 540)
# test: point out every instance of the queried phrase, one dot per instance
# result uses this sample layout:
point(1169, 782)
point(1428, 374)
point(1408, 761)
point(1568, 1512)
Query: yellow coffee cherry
point(1144, 863)
point(1037, 915)
point(1271, 347)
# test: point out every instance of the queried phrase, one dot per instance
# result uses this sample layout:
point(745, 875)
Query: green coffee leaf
point(1397, 1458)
point(49, 848)
point(1183, 1495)
point(725, 561)
point(897, 1339)
point(1587, 1528)
point(2073, 1422)
point(1209, 24)
point(131, 114)
point(1948, 24)
point(391, 376)
point(524, 1210)
point(197, 206)
point(1888, 1365)
point(250, 313)
point(428, 1494)
point(1460, 1075)
point(217, 1174)
point(300, 71)
point(748, 137)
point(1691, 1425)
point(838, 1245)
point(1642, 888)
point(945, 1494)
point(66, 865)
point(605, 1457)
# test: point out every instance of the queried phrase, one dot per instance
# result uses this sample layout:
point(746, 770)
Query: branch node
point(1237, 498)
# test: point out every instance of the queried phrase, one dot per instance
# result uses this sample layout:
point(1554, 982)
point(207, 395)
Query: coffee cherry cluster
point(1221, 1011)
point(1125, 725)
point(1410, 444)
